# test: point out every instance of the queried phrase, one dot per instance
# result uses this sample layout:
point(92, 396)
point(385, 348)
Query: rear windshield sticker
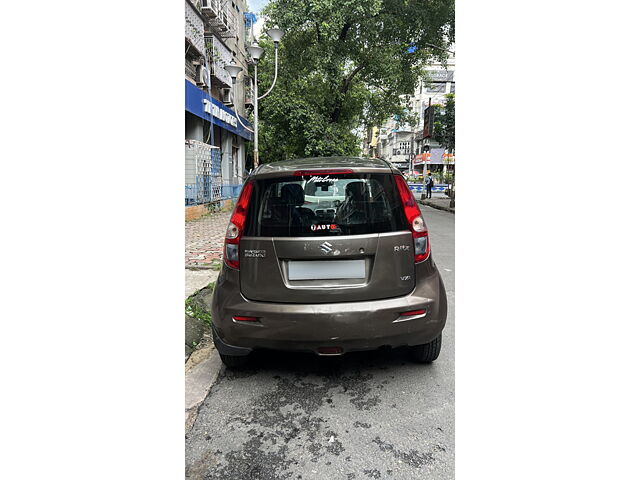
point(318, 179)
point(331, 226)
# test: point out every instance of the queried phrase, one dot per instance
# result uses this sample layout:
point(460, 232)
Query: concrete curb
point(200, 375)
point(202, 365)
point(436, 206)
point(201, 267)
point(197, 279)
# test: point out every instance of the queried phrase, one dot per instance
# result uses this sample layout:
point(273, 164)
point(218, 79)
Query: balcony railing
point(193, 27)
point(222, 17)
point(218, 55)
point(189, 70)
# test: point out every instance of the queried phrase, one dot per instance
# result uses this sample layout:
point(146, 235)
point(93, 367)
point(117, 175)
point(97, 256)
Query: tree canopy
point(444, 124)
point(344, 64)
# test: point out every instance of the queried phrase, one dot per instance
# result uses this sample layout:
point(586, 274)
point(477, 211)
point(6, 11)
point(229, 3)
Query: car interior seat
point(352, 210)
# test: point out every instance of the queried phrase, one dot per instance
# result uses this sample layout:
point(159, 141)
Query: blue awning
point(204, 106)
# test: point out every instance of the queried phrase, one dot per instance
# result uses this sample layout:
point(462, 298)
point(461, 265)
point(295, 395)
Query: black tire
point(234, 361)
point(427, 352)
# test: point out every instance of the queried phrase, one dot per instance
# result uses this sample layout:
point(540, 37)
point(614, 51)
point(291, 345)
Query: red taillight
point(236, 227)
point(418, 227)
point(338, 171)
point(414, 312)
point(240, 318)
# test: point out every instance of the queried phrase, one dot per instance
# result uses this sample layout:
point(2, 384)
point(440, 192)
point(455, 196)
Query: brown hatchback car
point(327, 255)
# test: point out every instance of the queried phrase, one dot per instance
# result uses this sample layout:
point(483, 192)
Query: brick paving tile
point(204, 238)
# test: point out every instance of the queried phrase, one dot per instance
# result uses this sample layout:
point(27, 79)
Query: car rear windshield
point(317, 205)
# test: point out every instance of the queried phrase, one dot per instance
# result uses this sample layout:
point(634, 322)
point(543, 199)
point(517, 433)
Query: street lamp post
point(256, 52)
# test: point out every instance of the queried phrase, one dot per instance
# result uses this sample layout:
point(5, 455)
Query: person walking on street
point(428, 184)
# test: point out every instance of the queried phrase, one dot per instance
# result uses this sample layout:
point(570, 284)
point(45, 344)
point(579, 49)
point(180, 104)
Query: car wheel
point(234, 361)
point(427, 352)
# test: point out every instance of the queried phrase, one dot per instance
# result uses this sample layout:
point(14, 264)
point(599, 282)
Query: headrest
point(356, 190)
point(274, 202)
point(292, 194)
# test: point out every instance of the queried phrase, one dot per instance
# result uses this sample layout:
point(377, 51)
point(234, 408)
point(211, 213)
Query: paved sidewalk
point(437, 200)
point(198, 279)
point(204, 239)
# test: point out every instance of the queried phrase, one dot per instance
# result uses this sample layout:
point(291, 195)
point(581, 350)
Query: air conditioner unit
point(210, 8)
point(203, 78)
point(226, 96)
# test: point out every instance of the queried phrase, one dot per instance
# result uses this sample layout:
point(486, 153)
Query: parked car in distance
point(327, 255)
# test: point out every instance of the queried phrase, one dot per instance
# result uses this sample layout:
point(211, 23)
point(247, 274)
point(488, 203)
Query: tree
point(444, 125)
point(344, 64)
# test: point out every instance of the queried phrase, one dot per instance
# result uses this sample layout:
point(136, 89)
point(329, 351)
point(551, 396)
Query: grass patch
point(193, 305)
point(216, 265)
point(194, 309)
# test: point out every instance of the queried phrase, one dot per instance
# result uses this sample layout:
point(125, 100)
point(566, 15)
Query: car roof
point(357, 164)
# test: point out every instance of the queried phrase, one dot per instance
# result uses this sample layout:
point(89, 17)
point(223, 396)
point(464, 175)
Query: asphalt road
point(364, 415)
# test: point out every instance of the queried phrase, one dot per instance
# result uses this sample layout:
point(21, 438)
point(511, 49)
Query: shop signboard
point(204, 106)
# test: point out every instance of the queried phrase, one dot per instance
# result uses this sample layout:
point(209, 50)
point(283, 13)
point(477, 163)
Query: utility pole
point(427, 134)
point(255, 116)
point(255, 51)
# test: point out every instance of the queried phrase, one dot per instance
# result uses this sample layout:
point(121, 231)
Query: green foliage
point(444, 124)
point(344, 64)
point(194, 309)
point(441, 177)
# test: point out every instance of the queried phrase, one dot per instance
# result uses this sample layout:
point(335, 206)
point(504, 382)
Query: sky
point(256, 5)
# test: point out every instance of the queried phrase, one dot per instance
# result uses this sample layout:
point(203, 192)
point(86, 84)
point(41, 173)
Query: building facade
point(216, 127)
point(425, 149)
point(395, 143)
point(407, 147)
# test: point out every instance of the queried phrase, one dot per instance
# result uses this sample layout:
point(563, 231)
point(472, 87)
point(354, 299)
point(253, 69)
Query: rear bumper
point(226, 349)
point(353, 326)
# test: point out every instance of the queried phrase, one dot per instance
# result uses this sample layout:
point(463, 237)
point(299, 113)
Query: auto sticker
point(327, 226)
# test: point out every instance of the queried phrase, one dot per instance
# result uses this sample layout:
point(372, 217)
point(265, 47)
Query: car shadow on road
point(299, 363)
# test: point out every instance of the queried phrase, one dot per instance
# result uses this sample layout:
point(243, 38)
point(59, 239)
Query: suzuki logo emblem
point(326, 247)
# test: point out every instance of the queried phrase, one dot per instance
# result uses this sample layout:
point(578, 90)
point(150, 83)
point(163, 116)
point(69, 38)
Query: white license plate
point(326, 269)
